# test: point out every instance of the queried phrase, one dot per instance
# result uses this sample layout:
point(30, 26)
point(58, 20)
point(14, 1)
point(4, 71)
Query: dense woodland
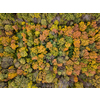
point(49, 50)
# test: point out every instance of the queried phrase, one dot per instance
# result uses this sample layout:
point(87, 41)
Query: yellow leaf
point(9, 33)
point(11, 75)
point(15, 37)
point(84, 42)
point(30, 84)
point(11, 67)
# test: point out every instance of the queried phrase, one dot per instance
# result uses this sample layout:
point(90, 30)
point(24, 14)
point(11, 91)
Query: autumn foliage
point(50, 50)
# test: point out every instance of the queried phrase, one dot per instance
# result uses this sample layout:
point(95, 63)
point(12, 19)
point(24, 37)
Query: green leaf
point(9, 50)
point(43, 22)
point(49, 78)
point(23, 53)
point(22, 61)
point(69, 39)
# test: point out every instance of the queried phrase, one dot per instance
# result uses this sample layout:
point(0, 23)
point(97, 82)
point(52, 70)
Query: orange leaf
point(19, 72)
point(94, 25)
point(75, 79)
point(49, 45)
point(13, 41)
point(76, 34)
point(40, 63)
point(13, 46)
point(41, 55)
point(69, 72)
point(65, 49)
point(9, 33)
point(83, 64)
point(84, 35)
point(18, 55)
point(24, 37)
point(98, 45)
point(87, 74)
point(36, 41)
point(11, 75)
point(77, 72)
point(15, 27)
point(46, 32)
point(35, 66)
point(69, 62)
point(5, 40)
point(55, 30)
point(98, 67)
point(91, 40)
point(93, 72)
point(54, 62)
point(76, 27)
point(32, 26)
point(86, 54)
point(59, 65)
point(37, 28)
point(93, 55)
point(69, 31)
point(77, 43)
point(34, 58)
point(44, 26)
point(98, 59)
point(55, 71)
point(91, 33)
point(42, 37)
point(1, 54)
point(77, 67)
